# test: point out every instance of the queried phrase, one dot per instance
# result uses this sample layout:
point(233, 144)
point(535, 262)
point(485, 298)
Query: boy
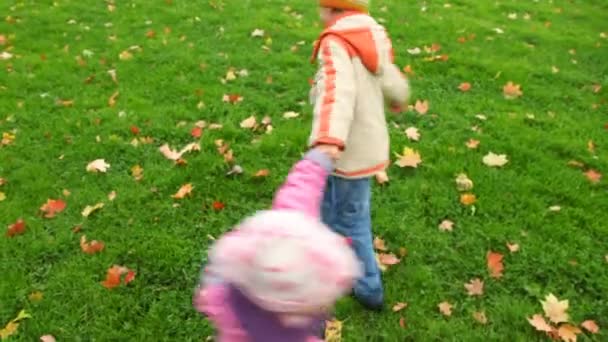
point(356, 76)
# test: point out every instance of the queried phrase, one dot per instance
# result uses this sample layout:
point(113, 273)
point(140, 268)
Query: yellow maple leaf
point(12, 326)
point(409, 158)
point(555, 309)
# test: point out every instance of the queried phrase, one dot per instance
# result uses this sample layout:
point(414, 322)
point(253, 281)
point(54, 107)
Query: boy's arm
point(335, 104)
point(395, 87)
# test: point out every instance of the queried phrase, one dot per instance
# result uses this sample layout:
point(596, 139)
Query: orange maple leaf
point(262, 173)
point(16, 228)
point(464, 87)
point(495, 264)
point(593, 176)
point(568, 332)
point(388, 259)
point(538, 322)
point(512, 91)
point(115, 273)
point(472, 143)
point(445, 308)
point(91, 247)
point(196, 132)
point(422, 107)
point(474, 287)
point(468, 199)
point(52, 207)
point(590, 326)
point(379, 244)
point(184, 190)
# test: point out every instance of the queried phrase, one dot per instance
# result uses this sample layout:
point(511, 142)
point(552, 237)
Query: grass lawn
point(169, 58)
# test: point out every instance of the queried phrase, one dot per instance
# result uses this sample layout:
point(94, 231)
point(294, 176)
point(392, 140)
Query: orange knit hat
point(356, 5)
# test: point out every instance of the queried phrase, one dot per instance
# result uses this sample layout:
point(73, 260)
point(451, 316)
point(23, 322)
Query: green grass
point(161, 87)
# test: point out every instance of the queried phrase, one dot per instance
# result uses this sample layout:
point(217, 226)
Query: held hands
point(332, 151)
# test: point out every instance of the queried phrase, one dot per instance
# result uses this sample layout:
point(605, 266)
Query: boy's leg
point(346, 209)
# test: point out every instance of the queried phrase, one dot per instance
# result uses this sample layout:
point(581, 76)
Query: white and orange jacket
point(355, 80)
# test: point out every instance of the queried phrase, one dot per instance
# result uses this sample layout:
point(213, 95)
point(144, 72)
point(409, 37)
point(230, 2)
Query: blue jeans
point(346, 209)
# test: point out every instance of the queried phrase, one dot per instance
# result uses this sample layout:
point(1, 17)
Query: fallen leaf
point(399, 306)
point(568, 332)
point(463, 182)
point(257, 33)
point(235, 170)
point(512, 91)
point(555, 208)
point(112, 195)
point(12, 326)
point(555, 309)
point(231, 98)
point(468, 199)
point(402, 252)
point(402, 322)
point(446, 226)
point(576, 164)
point(112, 99)
point(125, 55)
point(249, 123)
point(495, 160)
point(388, 259)
point(47, 338)
point(174, 155)
point(480, 316)
point(91, 247)
point(591, 326)
point(2, 196)
point(290, 115)
point(382, 177)
point(379, 244)
point(596, 88)
point(35, 296)
point(591, 146)
point(16, 228)
point(137, 172)
point(593, 176)
point(414, 51)
point(333, 331)
point(66, 193)
point(474, 287)
point(98, 165)
point(445, 308)
point(183, 191)
point(409, 158)
point(412, 133)
point(538, 322)
point(464, 87)
point(115, 273)
point(495, 265)
point(89, 209)
point(513, 248)
point(218, 206)
point(262, 173)
point(472, 143)
point(52, 207)
point(422, 107)
point(196, 132)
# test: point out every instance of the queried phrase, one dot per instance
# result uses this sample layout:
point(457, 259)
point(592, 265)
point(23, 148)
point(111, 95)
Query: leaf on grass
point(249, 123)
point(539, 323)
point(184, 190)
point(218, 206)
point(463, 182)
point(474, 287)
point(112, 99)
point(513, 248)
point(333, 331)
point(472, 143)
point(231, 98)
point(468, 199)
point(399, 306)
point(257, 33)
point(12, 326)
point(445, 308)
point(568, 332)
point(89, 209)
point(464, 87)
point(196, 132)
point(16, 228)
point(175, 155)
point(262, 173)
point(35, 296)
point(591, 326)
point(591, 146)
point(52, 207)
point(446, 226)
point(290, 115)
point(98, 165)
point(512, 91)
point(555, 309)
point(480, 317)
point(422, 107)
point(112, 195)
point(385, 260)
point(593, 176)
point(91, 247)
point(555, 208)
point(382, 177)
point(412, 133)
point(2, 181)
point(379, 244)
point(402, 323)
point(137, 172)
point(409, 158)
point(47, 338)
point(2, 196)
point(495, 160)
point(495, 265)
point(114, 274)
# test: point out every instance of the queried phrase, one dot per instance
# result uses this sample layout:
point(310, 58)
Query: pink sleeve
point(212, 301)
point(303, 189)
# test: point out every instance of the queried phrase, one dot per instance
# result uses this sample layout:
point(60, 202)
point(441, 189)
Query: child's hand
point(332, 151)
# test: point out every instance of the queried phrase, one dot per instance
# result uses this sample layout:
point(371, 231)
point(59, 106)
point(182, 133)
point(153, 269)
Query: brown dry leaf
point(2, 181)
point(464, 87)
point(333, 331)
point(568, 332)
point(98, 165)
point(468, 199)
point(399, 306)
point(591, 326)
point(474, 287)
point(512, 91)
point(463, 182)
point(232, 98)
point(445, 308)
point(596, 88)
point(184, 190)
point(472, 143)
point(89, 209)
point(538, 322)
point(91, 247)
point(409, 158)
point(593, 176)
point(112, 99)
point(249, 123)
point(495, 160)
point(262, 173)
point(513, 248)
point(12, 326)
point(446, 226)
point(480, 316)
point(422, 107)
point(137, 172)
point(412, 133)
point(555, 309)
point(35, 296)
point(402, 323)
point(379, 244)
point(495, 265)
point(382, 177)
